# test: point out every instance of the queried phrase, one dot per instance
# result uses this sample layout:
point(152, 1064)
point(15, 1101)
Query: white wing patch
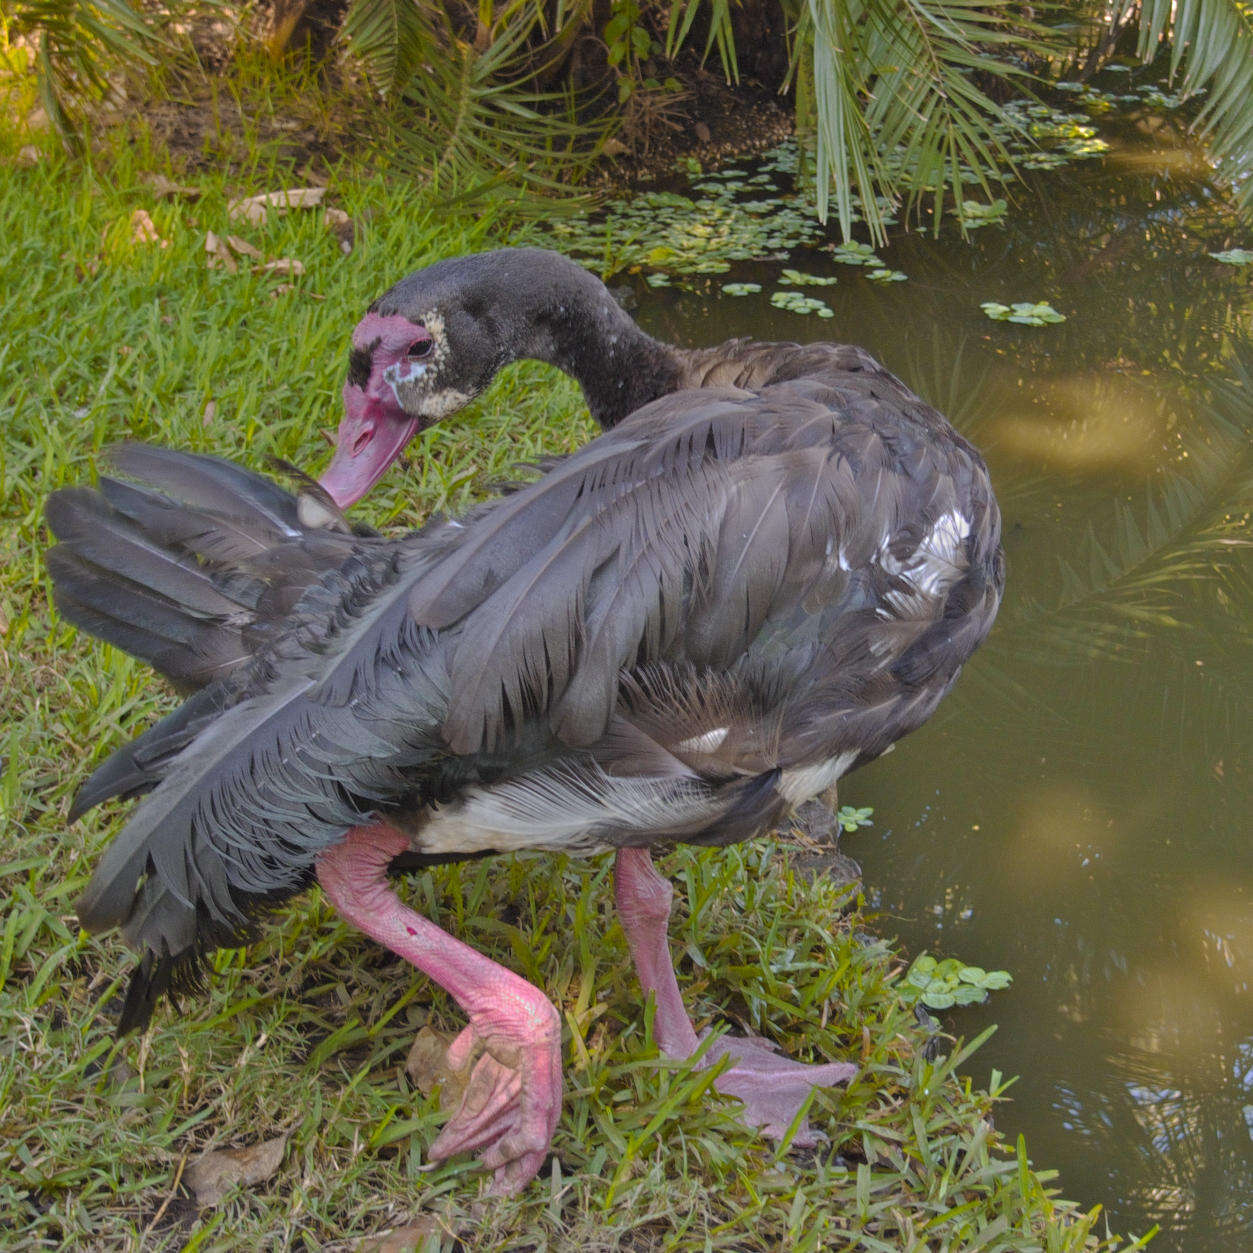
point(805, 782)
point(702, 743)
point(560, 810)
point(932, 568)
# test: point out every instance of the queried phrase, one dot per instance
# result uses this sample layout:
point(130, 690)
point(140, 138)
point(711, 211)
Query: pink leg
point(513, 1098)
point(771, 1086)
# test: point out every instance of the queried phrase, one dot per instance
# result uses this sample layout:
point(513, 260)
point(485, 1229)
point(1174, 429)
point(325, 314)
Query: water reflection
point(1079, 810)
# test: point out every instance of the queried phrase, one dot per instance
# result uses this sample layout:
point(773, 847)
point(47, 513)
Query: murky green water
point(1079, 811)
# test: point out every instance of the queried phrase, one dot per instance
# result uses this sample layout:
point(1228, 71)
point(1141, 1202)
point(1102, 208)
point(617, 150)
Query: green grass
point(307, 1033)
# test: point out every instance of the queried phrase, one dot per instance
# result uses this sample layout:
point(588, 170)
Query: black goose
point(769, 567)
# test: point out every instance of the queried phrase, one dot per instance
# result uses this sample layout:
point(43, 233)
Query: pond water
point(1078, 812)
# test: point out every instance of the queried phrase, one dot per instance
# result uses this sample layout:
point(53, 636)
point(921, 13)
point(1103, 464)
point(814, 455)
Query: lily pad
point(794, 302)
point(1234, 256)
point(855, 254)
point(1024, 312)
point(887, 276)
point(741, 289)
point(973, 213)
point(800, 279)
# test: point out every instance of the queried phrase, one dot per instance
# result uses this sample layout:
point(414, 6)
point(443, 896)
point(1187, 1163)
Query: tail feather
point(138, 767)
point(191, 564)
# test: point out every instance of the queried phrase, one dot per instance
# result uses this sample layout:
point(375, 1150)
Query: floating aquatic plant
point(854, 253)
point(943, 984)
point(851, 818)
point(797, 278)
point(887, 276)
point(1234, 256)
point(1023, 312)
point(741, 289)
point(794, 302)
point(973, 213)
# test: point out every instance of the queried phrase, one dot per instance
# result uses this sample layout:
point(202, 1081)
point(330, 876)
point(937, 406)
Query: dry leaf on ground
point(254, 209)
point(144, 229)
point(166, 189)
point(403, 1239)
point(219, 254)
point(212, 1175)
point(342, 227)
point(281, 265)
point(243, 247)
point(427, 1065)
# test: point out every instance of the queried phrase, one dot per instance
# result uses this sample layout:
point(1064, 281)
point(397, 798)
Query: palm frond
point(472, 126)
point(1211, 50)
point(77, 43)
point(391, 38)
point(897, 101)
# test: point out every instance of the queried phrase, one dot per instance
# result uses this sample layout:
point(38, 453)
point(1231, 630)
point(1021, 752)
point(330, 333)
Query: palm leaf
point(391, 38)
point(471, 125)
point(78, 43)
point(898, 107)
point(1211, 49)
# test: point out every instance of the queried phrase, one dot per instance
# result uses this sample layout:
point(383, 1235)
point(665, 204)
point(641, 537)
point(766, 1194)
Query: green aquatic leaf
point(854, 253)
point(973, 213)
point(887, 276)
point(1234, 256)
point(939, 1000)
point(969, 994)
point(1023, 312)
point(994, 980)
point(741, 289)
point(801, 279)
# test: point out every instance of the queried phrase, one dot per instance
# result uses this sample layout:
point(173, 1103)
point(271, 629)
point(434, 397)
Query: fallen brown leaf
point(219, 254)
point(213, 1174)
point(144, 229)
point(166, 189)
point(210, 412)
point(427, 1065)
point(281, 265)
point(403, 1239)
point(243, 247)
point(254, 209)
point(342, 227)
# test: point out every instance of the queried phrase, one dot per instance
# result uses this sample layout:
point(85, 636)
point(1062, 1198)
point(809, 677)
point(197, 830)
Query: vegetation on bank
point(902, 104)
point(124, 324)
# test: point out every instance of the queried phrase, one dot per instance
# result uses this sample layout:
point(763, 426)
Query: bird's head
point(403, 374)
point(426, 349)
point(436, 340)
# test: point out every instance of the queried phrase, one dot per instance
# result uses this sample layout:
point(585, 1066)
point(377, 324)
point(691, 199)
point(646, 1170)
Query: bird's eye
point(421, 349)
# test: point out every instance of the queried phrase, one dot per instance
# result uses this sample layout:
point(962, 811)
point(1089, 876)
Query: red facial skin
point(375, 429)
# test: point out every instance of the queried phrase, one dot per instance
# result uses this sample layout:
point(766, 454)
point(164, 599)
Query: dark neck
point(577, 325)
point(619, 368)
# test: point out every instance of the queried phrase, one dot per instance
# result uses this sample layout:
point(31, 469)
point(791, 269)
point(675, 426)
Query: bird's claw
point(510, 1106)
